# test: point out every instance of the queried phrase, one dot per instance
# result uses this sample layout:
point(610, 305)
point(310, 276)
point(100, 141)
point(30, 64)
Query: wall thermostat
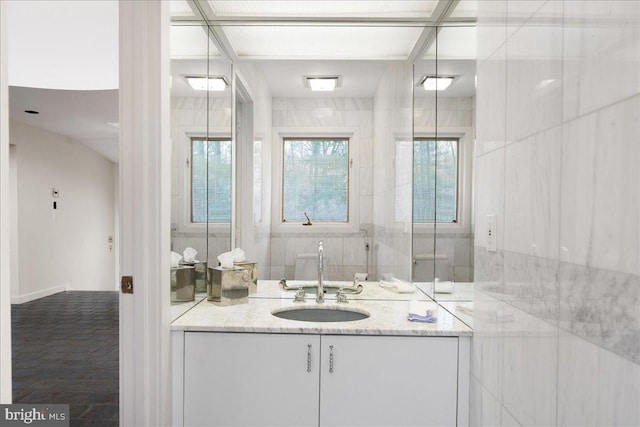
point(54, 192)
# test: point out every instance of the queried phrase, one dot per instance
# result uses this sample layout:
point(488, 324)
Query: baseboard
point(37, 295)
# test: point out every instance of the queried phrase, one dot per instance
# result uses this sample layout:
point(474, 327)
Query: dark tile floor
point(65, 350)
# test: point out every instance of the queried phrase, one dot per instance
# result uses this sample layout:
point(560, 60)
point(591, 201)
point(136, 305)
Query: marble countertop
point(180, 308)
point(462, 291)
point(388, 315)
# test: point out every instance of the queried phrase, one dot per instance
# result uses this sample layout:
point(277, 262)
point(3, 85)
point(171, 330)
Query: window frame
point(349, 173)
point(190, 196)
point(465, 136)
point(279, 134)
point(458, 141)
point(186, 134)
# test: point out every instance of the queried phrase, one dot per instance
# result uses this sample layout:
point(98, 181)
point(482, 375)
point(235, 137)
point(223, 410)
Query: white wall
point(556, 316)
point(66, 248)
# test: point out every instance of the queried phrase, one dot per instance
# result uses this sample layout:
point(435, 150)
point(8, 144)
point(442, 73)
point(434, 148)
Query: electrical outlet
point(491, 233)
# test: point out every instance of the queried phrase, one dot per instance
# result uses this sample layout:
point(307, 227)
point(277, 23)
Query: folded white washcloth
point(443, 287)
point(398, 286)
point(420, 311)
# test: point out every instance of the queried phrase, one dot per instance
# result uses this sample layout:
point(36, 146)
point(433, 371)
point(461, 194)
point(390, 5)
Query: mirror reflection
point(201, 124)
point(317, 135)
point(328, 114)
point(443, 152)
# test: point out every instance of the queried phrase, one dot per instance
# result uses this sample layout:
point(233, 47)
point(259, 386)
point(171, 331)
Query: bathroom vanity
point(242, 366)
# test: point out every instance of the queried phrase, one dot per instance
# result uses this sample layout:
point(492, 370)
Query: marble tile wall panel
point(491, 102)
point(486, 349)
point(601, 306)
point(492, 28)
point(452, 112)
point(532, 210)
point(519, 13)
point(566, 282)
point(534, 75)
point(601, 59)
point(489, 194)
point(600, 210)
point(529, 363)
point(485, 409)
point(531, 284)
point(345, 253)
point(595, 387)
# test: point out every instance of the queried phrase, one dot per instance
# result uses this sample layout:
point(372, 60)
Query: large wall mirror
point(331, 155)
point(378, 168)
point(202, 154)
point(444, 133)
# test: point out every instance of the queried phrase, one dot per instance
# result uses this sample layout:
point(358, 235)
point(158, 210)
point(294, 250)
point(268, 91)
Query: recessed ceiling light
point(32, 112)
point(322, 83)
point(436, 82)
point(115, 125)
point(215, 84)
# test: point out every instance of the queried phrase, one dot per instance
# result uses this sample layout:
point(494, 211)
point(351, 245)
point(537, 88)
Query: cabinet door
point(250, 379)
point(388, 381)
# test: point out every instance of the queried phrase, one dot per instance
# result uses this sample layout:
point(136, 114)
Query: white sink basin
point(320, 314)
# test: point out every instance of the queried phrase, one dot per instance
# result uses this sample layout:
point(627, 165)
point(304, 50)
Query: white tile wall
point(556, 321)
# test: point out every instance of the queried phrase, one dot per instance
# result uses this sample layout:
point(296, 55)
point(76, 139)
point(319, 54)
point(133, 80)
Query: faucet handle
point(299, 297)
point(341, 297)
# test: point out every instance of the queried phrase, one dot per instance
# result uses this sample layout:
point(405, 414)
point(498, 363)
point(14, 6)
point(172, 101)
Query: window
point(315, 179)
point(210, 198)
point(435, 193)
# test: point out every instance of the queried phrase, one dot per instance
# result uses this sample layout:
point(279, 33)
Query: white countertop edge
point(322, 330)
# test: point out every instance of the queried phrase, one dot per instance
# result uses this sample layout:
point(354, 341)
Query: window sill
point(447, 228)
point(327, 227)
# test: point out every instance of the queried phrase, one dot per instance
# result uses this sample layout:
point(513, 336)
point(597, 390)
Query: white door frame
point(5, 278)
point(145, 207)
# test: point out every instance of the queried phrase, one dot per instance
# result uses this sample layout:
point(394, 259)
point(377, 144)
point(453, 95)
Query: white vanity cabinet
point(246, 379)
point(250, 379)
point(388, 381)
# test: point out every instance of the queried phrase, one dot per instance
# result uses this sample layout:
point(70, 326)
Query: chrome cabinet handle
point(331, 359)
point(308, 357)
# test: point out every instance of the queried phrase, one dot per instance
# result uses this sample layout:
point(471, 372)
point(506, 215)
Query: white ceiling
point(360, 79)
point(79, 114)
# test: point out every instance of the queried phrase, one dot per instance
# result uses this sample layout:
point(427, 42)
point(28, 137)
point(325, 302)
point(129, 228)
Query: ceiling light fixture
point(215, 84)
point(436, 82)
point(322, 83)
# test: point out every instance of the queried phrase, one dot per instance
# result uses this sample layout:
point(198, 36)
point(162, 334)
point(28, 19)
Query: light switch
point(491, 233)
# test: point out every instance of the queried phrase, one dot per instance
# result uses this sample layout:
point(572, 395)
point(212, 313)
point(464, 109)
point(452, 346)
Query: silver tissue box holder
point(229, 286)
point(253, 269)
point(183, 283)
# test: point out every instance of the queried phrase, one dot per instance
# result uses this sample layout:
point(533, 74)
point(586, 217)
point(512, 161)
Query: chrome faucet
point(320, 288)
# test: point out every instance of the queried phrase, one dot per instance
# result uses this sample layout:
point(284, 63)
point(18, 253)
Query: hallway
point(65, 350)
